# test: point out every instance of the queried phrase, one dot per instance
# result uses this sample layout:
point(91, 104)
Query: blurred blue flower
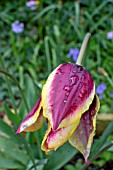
point(110, 35)
point(31, 4)
point(111, 95)
point(100, 97)
point(17, 27)
point(100, 88)
point(73, 52)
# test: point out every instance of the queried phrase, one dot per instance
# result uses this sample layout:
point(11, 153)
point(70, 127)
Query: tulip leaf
point(6, 129)
point(99, 143)
point(9, 148)
point(60, 157)
point(8, 163)
point(14, 118)
point(30, 92)
point(38, 163)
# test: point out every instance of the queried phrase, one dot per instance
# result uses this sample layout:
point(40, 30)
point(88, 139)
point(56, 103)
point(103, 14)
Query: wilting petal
point(54, 140)
point(67, 94)
point(82, 138)
point(34, 120)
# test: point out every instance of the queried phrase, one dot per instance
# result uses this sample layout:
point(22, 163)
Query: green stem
point(9, 88)
point(16, 82)
point(83, 48)
point(28, 149)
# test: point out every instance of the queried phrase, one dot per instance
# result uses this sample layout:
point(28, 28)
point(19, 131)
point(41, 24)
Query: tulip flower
point(69, 105)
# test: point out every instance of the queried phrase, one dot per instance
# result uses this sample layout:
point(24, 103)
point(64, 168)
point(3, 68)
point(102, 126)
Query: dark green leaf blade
point(60, 157)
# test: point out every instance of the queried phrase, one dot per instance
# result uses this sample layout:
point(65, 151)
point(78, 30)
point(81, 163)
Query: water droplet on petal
point(83, 77)
point(74, 80)
point(67, 93)
point(83, 90)
point(58, 71)
point(65, 101)
point(92, 113)
point(67, 88)
point(52, 91)
point(74, 71)
point(81, 132)
point(88, 121)
point(24, 126)
point(91, 128)
point(85, 117)
point(80, 68)
point(80, 95)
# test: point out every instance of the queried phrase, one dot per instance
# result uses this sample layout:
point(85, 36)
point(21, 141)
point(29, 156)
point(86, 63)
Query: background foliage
point(50, 31)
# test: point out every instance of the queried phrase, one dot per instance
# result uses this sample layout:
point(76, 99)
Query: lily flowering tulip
point(69, 104)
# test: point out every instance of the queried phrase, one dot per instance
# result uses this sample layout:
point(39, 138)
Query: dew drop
point(59, 71)
point(88, 121)
point(52, 91)
point(79, 68)
point(83, 91)
point(85, 117)
point(81, 132)
point(80, 95)
point(92, 113)
point(67, 93)
point(74, 71)
point(65, 101)
point(90, 128)
point(74, 80)
point(67, 88)
point(83, 77)
point(24, 126)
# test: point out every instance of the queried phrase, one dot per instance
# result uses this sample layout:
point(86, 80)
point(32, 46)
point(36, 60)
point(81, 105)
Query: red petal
point(33, 120)
point(82, 138)
point(70, 89)
point(53, 140)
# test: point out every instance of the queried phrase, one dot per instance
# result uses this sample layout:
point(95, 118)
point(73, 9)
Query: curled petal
point(70, 91)
point(34, 120)
point(54, 140)
point(82, 137)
